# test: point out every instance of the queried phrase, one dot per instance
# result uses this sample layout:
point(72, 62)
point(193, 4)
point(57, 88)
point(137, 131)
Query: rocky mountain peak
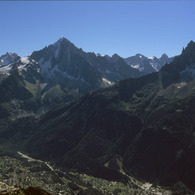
point(164, 56)
point(189, 50)
point(140, 56)
point(61, 40)
point(115, 57)
point(8, 58)
point(182, 69)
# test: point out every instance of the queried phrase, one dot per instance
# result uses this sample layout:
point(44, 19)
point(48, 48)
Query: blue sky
point(106, 27)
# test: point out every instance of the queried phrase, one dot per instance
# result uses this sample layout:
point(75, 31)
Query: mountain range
point(141, 126)
point(148, 65)
point(56, 74)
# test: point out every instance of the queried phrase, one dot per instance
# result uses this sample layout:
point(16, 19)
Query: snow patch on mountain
point(25, 60)
point(137, 66)
point(22, 67)
point(147, 64)
point(6, 69)
point(106, 81)
point(104, 55)
point(154, 65)
point(151, 58)
point(180, 85)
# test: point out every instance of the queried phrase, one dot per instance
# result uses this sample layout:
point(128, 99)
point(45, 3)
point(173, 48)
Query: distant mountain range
point(112, 68)
point(148, 65)
point(64, 60)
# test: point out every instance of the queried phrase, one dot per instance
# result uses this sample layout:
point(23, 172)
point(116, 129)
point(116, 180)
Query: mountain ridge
point(148, 64)
point(59, 73)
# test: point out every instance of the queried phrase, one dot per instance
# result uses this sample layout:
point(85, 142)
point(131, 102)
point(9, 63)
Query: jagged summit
point(140, 55)
point(8, 58)
point(10, 53)
point(164, 58)
point(189, 49)
point(62, 40)
point(191, 43)
point(147, 64)
point(182, 68)
point(115, 57)
point(164, 55)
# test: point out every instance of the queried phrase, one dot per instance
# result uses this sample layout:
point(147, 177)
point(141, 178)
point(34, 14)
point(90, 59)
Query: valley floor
point(24, 171)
